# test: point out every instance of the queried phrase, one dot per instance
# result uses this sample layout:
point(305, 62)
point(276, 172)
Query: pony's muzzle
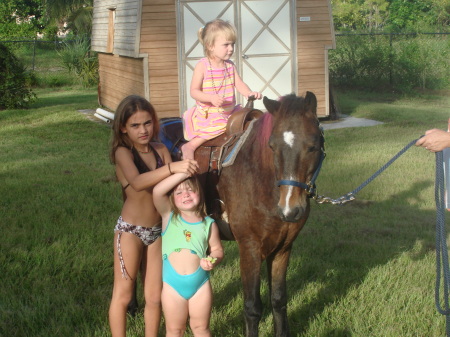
point(291, 205)
point(291, 214)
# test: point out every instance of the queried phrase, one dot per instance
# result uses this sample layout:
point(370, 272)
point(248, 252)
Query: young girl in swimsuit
point(212, 86)
point(191, 247)
point(140, 165)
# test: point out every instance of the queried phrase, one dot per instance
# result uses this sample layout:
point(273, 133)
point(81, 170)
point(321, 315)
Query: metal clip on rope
point(320, 199)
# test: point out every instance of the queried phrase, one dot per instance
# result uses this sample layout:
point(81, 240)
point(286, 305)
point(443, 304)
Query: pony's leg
point(277, 268)
point(250, 261)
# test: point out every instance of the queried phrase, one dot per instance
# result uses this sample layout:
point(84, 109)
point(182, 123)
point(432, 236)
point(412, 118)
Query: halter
point(310, 187)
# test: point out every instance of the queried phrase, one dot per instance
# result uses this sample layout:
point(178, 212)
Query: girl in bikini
point(212, 86)
point(191, 247)
point(140, 164)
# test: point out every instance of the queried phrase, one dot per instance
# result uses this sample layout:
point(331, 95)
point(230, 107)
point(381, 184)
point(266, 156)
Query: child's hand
point(208, 263)
point(187, 166)
point(217, 100)
point(257, 95)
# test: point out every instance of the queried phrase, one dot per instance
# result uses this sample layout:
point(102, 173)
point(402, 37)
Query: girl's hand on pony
point(187, 166)
point(217, 100)
point(208, 263)
point(257, 95)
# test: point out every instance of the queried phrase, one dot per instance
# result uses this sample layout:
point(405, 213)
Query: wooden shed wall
point(159, 42)
point(314, 38)
point(126, 26)
point(120, 76)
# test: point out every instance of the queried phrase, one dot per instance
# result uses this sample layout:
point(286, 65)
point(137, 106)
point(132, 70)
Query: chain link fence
point(41, 58)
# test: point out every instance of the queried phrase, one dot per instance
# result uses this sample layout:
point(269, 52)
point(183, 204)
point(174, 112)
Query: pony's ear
point(311, 102)
point(271, 105)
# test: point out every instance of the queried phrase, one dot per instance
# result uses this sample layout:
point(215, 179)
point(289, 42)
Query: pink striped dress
point(204, 120)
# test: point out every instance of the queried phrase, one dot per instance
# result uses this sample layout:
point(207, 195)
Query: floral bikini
point(148, 235)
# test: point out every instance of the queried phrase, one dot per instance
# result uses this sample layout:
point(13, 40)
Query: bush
point(77, 59)
point(383, 62)
point(422, 62)
point(15, 81)
point(360, 61)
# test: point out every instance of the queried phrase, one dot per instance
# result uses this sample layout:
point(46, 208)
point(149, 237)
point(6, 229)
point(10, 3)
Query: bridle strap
point(309, 187)
point(292, 183)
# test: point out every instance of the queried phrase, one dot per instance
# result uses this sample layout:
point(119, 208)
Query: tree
point(376, 13)
point(359, 14)
point(391, 14)
point(76, 13)
point(406, 13)
point(21, 18)
point(346, 14)
point(14, 82)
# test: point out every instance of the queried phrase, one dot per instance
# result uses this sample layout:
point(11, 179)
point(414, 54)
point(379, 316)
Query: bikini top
point(141, 165)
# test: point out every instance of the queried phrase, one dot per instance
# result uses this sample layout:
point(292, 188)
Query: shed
point(150, 47)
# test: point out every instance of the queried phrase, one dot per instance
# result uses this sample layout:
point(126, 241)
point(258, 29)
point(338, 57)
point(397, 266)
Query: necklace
point(224, 79)
point(143, 152)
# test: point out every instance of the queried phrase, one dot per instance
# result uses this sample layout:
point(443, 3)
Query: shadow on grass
point(69, 98)
point(367, 246)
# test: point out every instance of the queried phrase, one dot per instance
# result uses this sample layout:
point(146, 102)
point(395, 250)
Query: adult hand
point(435, 140)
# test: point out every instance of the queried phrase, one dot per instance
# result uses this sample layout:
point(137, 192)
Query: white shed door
point(265, 49)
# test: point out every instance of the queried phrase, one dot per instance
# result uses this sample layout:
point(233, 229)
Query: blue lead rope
point(441, 243)
point(441, 236)
point(352, 195)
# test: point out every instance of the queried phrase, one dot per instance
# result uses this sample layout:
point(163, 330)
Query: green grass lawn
point(363, 269)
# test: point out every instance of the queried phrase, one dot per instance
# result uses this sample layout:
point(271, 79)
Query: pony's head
point(297, 145)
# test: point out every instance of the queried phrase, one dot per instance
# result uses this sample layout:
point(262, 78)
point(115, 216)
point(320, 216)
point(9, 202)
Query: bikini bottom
point(148, 235)
point(185, 285)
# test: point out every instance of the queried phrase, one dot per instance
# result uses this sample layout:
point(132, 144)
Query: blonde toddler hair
point(207, 35)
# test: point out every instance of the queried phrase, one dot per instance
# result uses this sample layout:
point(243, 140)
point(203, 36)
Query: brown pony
point(265, 194)
point(266, 197)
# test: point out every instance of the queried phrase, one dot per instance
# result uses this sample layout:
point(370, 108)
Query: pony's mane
point(291, 104)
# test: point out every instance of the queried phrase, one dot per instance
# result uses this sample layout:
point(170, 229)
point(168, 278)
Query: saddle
point(211, 154)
